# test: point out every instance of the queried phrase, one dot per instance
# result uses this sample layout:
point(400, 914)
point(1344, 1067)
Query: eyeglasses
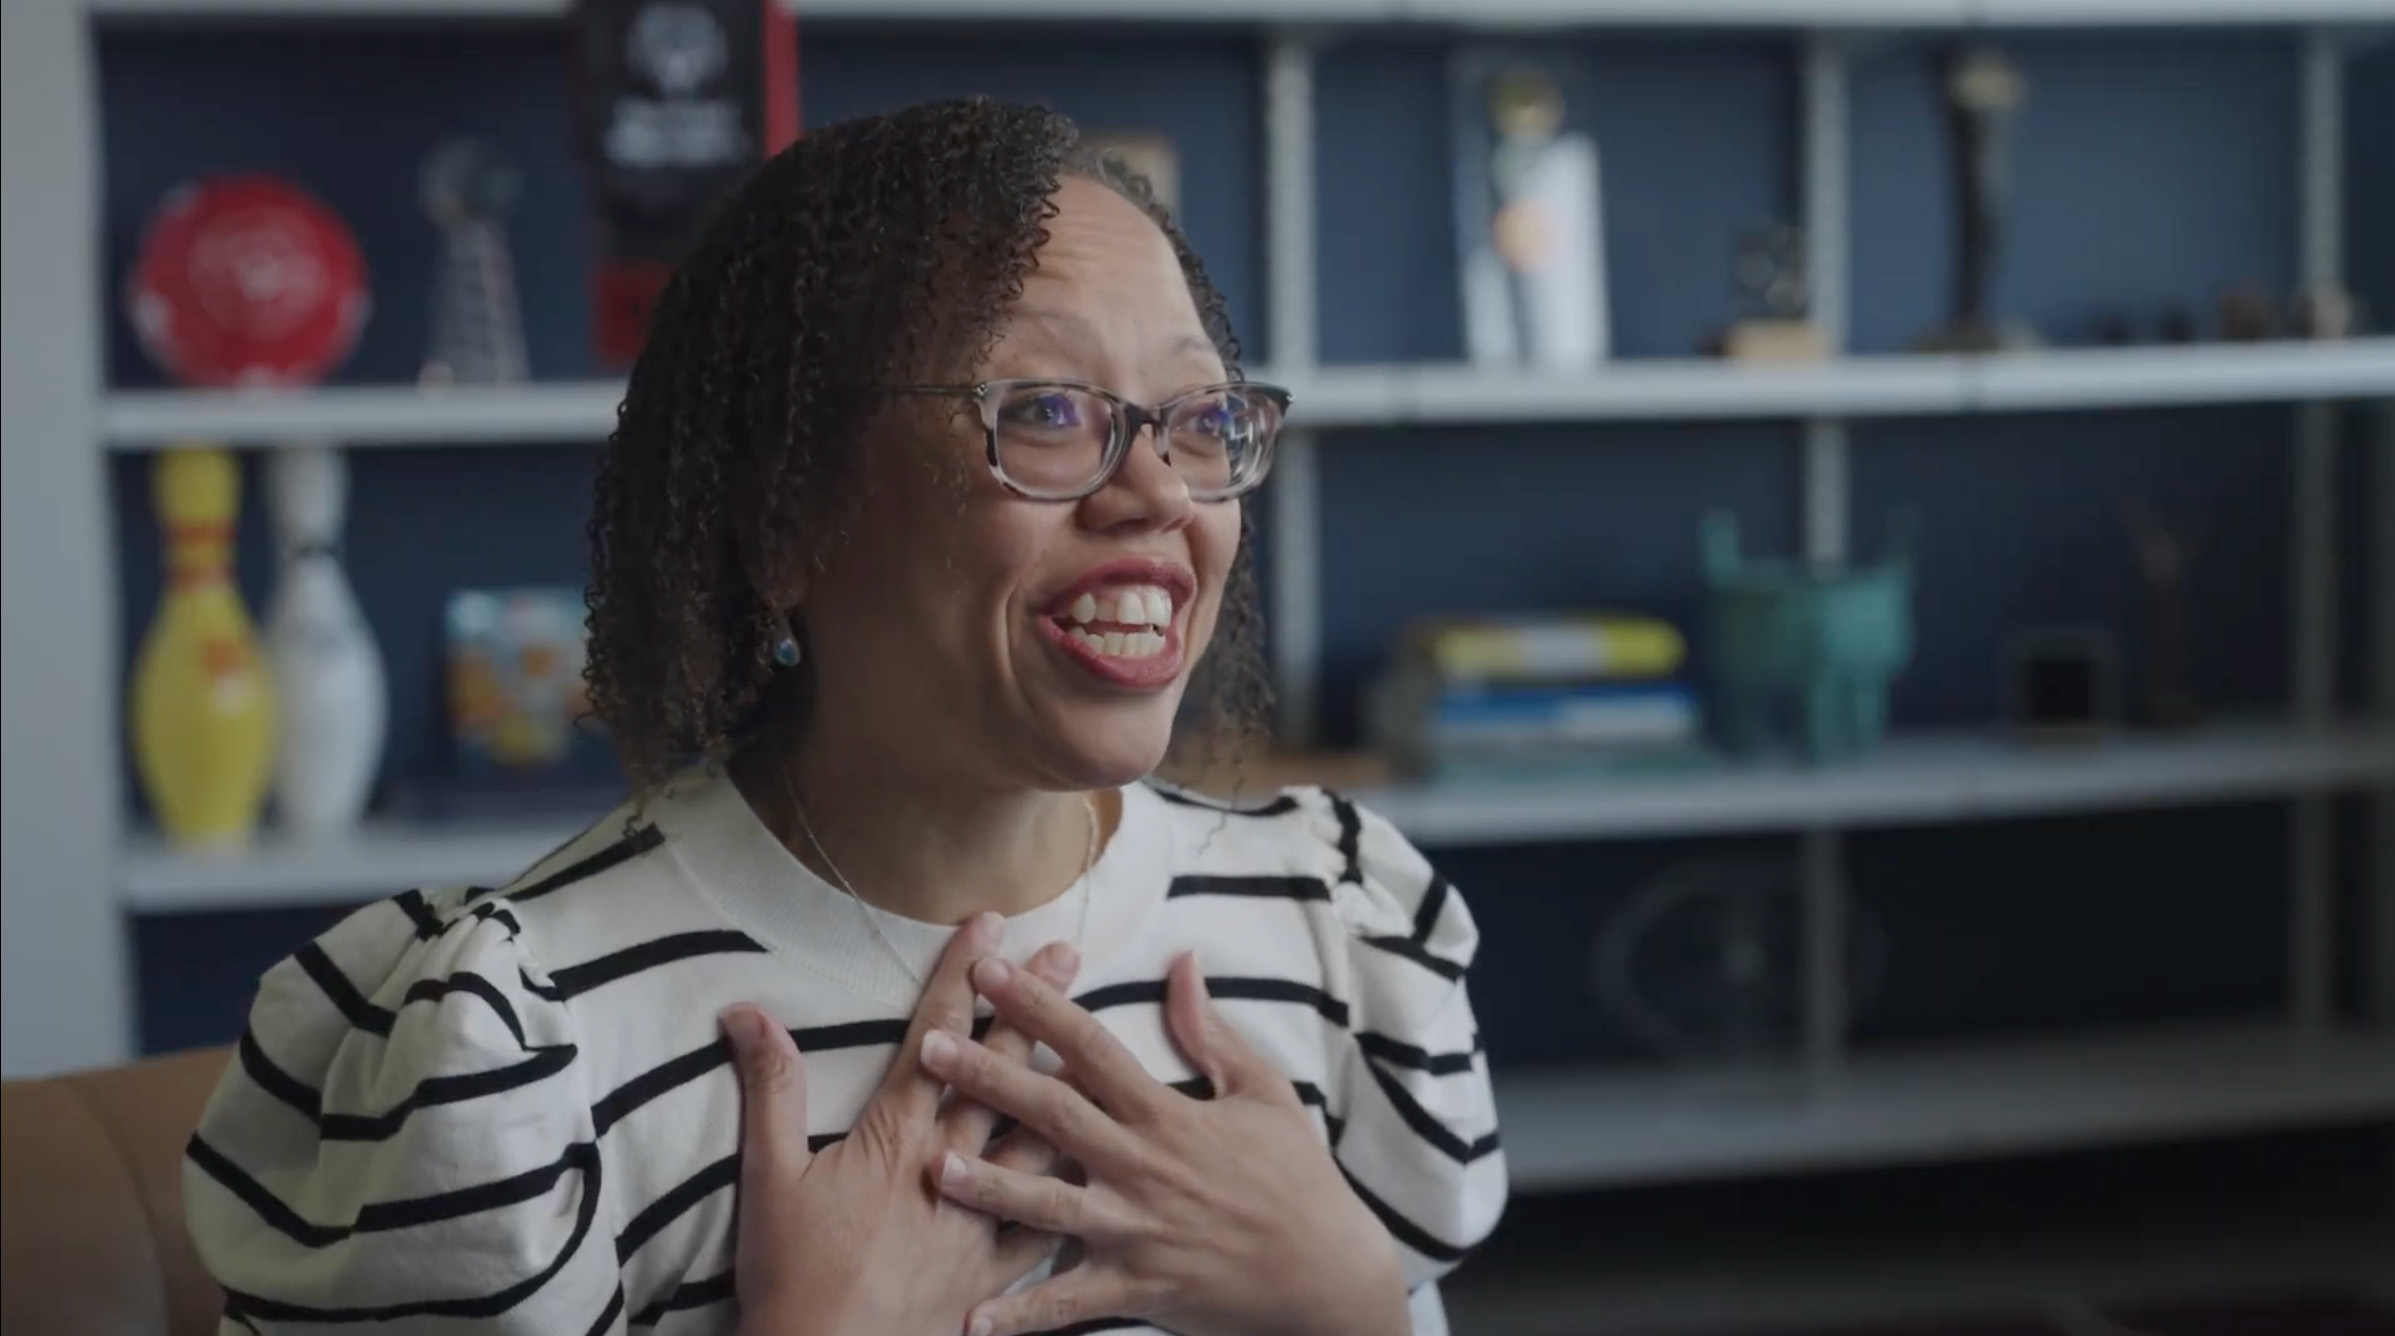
point(1061, 440)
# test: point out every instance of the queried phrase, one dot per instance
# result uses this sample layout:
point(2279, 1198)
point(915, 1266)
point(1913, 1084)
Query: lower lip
point(1156, 671)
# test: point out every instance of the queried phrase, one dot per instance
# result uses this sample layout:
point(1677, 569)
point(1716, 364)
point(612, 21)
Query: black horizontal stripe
point(1434, 903)
point(606, 1318)
point(473, 985)
point(1351, 840)
point(583, 1156)
point(574, 980)
point(495, 912)
point(263, 1204)
point(428, 924)
point(274, 1080)
point(1094, 1324)
point(632, 846)
point(338, 990)
point(239, 1321)
point(383, 1216)
point(656, 1081)
point(1281, 804)
point(1308, 1094)
point(674, 1203)
point(686, 1296)
point(1403, 1230)
point(824, 1140)
point(437, 1090)
point(674, 1073)
point(1237, 989)
point(531, 1185)
point(1430, 1129)
point(1260, 887)
point(1227, 988)
point(1402, 1054)
point(1406, 948)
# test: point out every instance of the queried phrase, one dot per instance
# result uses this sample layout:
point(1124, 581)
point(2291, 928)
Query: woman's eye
point(1050, 411)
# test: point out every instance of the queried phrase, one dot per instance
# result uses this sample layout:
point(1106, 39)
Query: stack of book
point(1579, 692)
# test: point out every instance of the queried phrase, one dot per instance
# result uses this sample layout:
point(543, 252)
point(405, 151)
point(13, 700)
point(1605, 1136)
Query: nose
point(1146, 494)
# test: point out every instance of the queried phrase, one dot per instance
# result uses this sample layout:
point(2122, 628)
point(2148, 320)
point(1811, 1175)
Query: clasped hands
point(1212, 1217)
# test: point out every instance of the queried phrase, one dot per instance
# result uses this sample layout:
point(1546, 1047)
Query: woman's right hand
point(854, 1239)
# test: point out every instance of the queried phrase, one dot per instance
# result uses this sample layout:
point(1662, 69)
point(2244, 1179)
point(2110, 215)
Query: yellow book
point(1554, 646)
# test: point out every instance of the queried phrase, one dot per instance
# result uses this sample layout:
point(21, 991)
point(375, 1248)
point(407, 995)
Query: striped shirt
point(511, 1109)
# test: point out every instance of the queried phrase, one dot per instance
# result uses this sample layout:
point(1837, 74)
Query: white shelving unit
point(1924, 15)
point(1919, 780)
point(1385, 396)
point(1585, 1129)
point(381, 858)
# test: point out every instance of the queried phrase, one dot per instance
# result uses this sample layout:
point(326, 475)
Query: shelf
point(1919, 780)
point(1865, 386)
point(1915, 780)
point(368, 415)
point(1569, 1130)
point(1369, 396)
point(1929, 15)
point(1843, 1254)
point(382, 858)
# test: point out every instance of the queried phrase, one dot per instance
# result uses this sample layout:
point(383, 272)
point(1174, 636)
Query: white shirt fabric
point(512, 1110)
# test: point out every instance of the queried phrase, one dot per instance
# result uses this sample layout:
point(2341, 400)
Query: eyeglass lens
point(1054, 439)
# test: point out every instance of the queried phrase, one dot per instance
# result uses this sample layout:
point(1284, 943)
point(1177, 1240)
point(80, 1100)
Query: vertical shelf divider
point(1296, 553)
point(1821, 868)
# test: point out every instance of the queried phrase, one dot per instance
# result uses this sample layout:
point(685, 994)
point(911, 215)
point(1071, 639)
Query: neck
point(915, 842)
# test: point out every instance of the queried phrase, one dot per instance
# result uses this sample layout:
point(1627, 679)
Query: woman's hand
point(1206, 1216)
point(851, 1239)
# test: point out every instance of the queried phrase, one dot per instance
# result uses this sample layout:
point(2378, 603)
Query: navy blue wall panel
point(2022, 524)
point(1693, 144)
point(2145, 172)
point(2370, 182)
point(349, 113)
point(2150, 171)
point(2097, 920)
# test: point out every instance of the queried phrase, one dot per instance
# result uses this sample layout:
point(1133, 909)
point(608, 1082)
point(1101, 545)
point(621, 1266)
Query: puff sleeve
point(404, 1142)
point(1418, 1136)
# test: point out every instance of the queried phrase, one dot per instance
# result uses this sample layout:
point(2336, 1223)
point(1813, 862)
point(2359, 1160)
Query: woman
point(893, 611)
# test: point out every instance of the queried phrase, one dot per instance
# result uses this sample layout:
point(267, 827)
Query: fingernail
point(952, 1170)
point(1067, 959)
point(938, 1047)
point(987, 924)
point(992, 973)
point(980, 1327)
point(743, 1025)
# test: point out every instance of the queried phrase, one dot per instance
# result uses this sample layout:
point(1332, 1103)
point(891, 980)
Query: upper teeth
point(1142, 605)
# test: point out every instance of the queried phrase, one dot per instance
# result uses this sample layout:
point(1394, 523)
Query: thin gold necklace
point(1089, 859)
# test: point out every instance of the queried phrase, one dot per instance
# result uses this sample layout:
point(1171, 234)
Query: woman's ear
point(777, 568)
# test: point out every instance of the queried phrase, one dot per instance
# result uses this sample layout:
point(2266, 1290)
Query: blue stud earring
point(786, 651)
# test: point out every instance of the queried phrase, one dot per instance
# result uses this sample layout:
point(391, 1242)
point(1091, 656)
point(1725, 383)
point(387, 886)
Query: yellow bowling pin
point(203, 707)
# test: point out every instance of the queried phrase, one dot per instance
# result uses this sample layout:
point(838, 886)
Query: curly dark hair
point(866, 254)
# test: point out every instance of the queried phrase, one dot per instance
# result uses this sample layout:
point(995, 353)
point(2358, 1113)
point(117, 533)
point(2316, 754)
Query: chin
point(1102, 750)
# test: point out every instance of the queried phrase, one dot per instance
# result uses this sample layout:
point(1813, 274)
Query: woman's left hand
point(1215, 1217)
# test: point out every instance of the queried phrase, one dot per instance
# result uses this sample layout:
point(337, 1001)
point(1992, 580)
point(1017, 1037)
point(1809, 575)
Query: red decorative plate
point(247, 281)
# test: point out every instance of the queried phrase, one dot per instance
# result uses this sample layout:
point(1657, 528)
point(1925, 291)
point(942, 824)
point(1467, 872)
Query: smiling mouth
point(1120, 622)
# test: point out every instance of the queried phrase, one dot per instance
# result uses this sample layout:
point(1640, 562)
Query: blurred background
point(1861, 534)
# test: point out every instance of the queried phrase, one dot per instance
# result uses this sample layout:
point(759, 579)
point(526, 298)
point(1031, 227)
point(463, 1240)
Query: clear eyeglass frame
point(1129, 419)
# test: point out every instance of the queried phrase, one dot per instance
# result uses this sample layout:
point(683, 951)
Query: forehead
point(1095, 229)
point(1106, 278)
